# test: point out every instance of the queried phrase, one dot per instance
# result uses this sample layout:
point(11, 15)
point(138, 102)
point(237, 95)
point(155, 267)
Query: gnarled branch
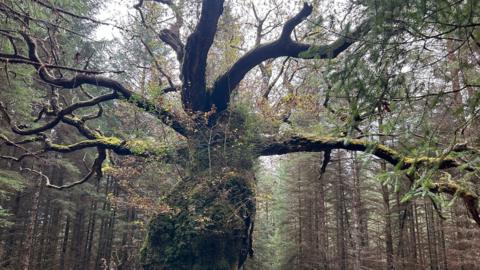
point(171, 36)
point(327, 144)
point(96, 169)
point(283, 46)
point(321, 144)
point(120, 90)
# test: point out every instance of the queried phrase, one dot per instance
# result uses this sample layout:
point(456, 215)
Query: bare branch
point(19, 59)
point(71, 14)
point(157, 64)
point(120, 91)
point(96, 169)
point(283, 46)
point(18, 145)
point(61, 114)
point(275, 80)
point(172, 39)
point(170, 36)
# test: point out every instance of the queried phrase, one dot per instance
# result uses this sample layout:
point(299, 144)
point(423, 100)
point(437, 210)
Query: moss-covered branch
point(321, 144)
point(327, 144)
point(143, 148)
point(469, 198)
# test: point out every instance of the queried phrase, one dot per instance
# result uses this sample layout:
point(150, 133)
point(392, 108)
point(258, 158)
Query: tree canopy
point(217, 84)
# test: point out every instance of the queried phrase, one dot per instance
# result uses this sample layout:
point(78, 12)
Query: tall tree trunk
point(300, 220)
point(111, 228)
point(100, 259)
point(77, 242)
point(412, 238)
point(340, 217)
point(401, 215)
point(432, 250)
point(32, 228)
point(421, 249)
point(91, 228)
point(387, 212)
point(45, 221)
point(321, 228)
point(388, 223)
point(356, 214)
point(10, 243)
point(64, 260)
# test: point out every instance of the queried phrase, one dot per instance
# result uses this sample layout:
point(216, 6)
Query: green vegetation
point(158, 137)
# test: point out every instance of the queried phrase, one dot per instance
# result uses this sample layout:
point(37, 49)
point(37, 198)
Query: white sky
point(113, 12)
point(117, 11)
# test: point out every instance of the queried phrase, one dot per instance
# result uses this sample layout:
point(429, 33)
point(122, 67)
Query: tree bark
point(32, 228)
point(340, 217)
point(321, 230)
point(388, 223)
point(356, 215)
point(209, 229)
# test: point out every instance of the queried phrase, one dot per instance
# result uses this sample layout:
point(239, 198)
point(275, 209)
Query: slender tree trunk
point(387, 212)
point(45, 221)
point(111, 228)
point(340, 218)
point(91, 228)
point(421, 242)
point(356, 214)
point(100, 260)
point(64, 260)
point(431, 237)
point(77, 242)
point(10, 243)
point(388, 224)
point(300, 220)
point(413, 238)
point(32, 228)
point(443, 244)
point(321, 228)
point(310, 246)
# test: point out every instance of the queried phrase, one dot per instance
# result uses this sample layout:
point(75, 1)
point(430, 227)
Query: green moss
point(214, 207)
point(428, 161)
point(60, 147)
point(146, 146)
point(209, 230)
point(106, 168)
point(106, 141)
point(113, 141)
point(387, 150)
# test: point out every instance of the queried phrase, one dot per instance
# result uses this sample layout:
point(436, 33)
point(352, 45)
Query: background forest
point(411, 83)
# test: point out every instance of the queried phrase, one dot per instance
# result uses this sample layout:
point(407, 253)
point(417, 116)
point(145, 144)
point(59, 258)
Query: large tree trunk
point(210, 214)
point(209, 228)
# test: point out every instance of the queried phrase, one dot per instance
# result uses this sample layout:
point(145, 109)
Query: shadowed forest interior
point(231, 134)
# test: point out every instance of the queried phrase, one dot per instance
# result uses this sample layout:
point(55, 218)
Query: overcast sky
point(114, 11)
